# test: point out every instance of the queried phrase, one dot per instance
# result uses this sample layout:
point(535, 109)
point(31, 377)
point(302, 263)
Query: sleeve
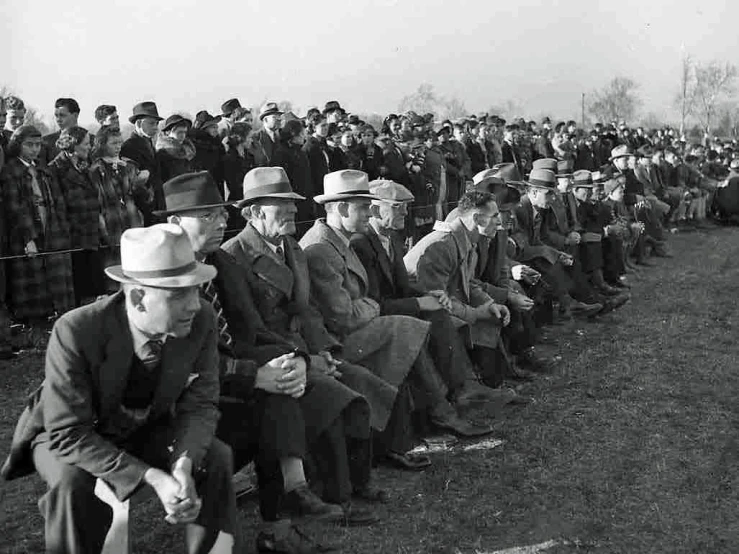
point(342, 313)
point(196, 411)
point(70, 419)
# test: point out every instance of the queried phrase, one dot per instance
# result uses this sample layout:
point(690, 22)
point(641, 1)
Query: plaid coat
point(37, 287)
point(83, 204)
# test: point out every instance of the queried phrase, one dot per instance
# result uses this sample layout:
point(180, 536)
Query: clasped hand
point(326, 363)
point(176, 492)
point(285, 374)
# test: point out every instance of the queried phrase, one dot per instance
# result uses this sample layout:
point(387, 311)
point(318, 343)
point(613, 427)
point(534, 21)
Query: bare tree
point(617, 100)
point(685, 99)
point(425, 100)
point(714, 81)
point(510, 109)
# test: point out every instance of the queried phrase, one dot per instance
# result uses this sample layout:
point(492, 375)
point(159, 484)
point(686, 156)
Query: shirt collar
point(274, 247)
point(340, 233)
point(140, 339)
point(27, 164)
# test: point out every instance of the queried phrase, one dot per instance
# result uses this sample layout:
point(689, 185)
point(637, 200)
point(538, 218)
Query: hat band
point(543, 184)
point(159, 273)
point(350, 192)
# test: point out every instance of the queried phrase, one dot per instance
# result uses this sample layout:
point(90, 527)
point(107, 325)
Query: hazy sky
point(189, 55)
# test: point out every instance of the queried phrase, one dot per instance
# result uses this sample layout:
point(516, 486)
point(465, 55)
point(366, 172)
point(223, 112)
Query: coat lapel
point(265, 263)
point(353, 263)
point(382, 257)
point(116, 365)
point(464, 250)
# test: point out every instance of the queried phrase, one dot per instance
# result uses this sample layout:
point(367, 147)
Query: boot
point(596, 277)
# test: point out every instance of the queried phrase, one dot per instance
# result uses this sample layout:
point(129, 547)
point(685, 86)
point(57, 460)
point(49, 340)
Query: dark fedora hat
point(565, 168)
point(333, 105)
point(267, 182)
point(354, 120)
point(176, 120)
point(509, 173)
point(203, 119)
point(228, 107)
point(542, 179)
point(144, 109)
point(270, 108)
point(191, 191)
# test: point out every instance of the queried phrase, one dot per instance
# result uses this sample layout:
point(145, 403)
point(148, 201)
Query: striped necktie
point(151, 355)
point(211, 295)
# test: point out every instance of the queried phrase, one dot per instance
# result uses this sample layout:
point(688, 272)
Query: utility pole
point(583, 110)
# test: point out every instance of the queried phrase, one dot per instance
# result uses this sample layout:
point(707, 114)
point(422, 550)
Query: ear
point(254, 211)
point(174, 219)
point(343, 209)
point(136, 296)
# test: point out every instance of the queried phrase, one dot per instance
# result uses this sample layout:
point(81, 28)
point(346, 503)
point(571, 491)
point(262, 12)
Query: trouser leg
point(448, 350)
point(329, 453)
point(76, 521)
point(398, 433)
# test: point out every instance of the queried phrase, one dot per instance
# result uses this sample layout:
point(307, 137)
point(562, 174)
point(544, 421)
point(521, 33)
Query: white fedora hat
point(345, 185)
point(159, 256)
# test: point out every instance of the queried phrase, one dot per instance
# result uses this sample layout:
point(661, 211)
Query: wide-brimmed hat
point(613, 183)
point(582, 178)
point(228, 107)
point(507, 198)
point(159, 256)
point(621, 151)
point(345, 185)
point(174, 120)
point(509, 173)
point(270, 108)
point(488, 180)
point(267, 182)
point(203, 120)
point(645, 151)
point(390, 191)
point(565, 168)
point(333, 105)
point(191, 191)
point(545, 163)
point(598, 177)
point(144, 109)
point(542, 179)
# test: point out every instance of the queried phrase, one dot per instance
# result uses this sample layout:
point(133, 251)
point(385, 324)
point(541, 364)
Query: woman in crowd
point(370, 155)
point(36, 222)
point(175, 151)
point(348, 147)
point(115, 181)
point(86, 223)
point(292, 158)
point(209, 150)
point(237, 162)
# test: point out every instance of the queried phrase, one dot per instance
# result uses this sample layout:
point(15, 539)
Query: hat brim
point(191, 208)
point(284, 195)
point(542, 186)
point(201, 274)
point(277, 112)
point(184, 122)
point(583, 186)
point(323, 198)
point(339, 109)
point(558, 175)
point(135, 118)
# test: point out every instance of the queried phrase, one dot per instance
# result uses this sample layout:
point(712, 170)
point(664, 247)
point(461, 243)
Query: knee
point(75, 483)
point(219, 458)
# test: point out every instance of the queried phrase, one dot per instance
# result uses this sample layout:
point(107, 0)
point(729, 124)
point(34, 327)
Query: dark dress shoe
point(369, 493)
point(303, 502)
point(608, 290)
point(615, 303)
point(585, 310)
point(355, 516)
point(409, 462)
point(460, 427)
point(286, 538)
point(533, 362)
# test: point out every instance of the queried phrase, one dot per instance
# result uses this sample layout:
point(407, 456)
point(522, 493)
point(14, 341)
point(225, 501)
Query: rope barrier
point(227, 233)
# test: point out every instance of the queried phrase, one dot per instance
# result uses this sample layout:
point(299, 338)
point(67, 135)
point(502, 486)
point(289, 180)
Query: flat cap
point(390, 191)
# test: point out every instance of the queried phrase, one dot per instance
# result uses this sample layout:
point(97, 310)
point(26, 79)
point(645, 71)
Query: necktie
point(280, 253)
point(211, 295)
point(151, 354)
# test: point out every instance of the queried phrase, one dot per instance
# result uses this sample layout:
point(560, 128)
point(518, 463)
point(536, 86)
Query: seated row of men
point(313, 359)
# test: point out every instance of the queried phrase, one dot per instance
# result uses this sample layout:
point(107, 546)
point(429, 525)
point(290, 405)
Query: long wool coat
point(39, 286)
point(282, 292)
point(388, 345)
point(83, 203)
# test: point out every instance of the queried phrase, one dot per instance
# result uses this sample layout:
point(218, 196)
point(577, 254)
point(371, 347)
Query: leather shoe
point(452, 422)
point(355, 516)
point(368, 493)
point(533, 362)
point(615, 303)
point(516, 373)
point(303, 502)
point(584, 310)
point(472, 392)
point(409, 462)
point(284, 537)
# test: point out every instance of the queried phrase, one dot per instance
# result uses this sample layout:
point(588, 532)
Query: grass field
point(632, 445)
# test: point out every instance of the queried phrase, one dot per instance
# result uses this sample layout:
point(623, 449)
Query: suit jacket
point(388, 282)
point(49, 150)
point(633, 187)
point(556, 224)
point(263, 148)
point(493, 268)
point(141, 152)
point(318, 158)
point(510, 155)
point(446, 259)
point(528, 247)
point(281, 290)
point(88, 361)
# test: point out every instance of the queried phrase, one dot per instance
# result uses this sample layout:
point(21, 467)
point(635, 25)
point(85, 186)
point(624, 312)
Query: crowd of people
point(316, 296)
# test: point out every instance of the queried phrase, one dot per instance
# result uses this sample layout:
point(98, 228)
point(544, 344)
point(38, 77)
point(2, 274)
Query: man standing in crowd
point(107, 116)
point(16, 115)
point(66, 114)
point(140, 148)
point(144, 416)
point(265, 140)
